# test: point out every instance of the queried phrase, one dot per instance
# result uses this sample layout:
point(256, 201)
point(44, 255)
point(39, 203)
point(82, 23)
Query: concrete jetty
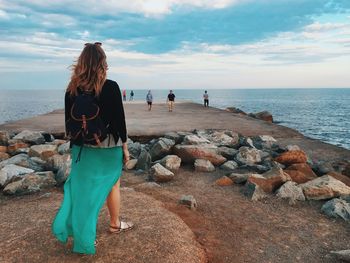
point(188, 116)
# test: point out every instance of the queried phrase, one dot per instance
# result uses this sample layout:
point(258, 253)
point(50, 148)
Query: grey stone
point(254, 191)
point(222, 139)
point(292, 147)
point(343, 255)
point(12, 172)
point(44, 151)
point(20, 159)
point(55, 162)
point(195, 140)
point(189, 201)
point(248, 156)
point(31, 183)
point(264, 142)
point(201, 165)
point(227, 152)
point(134, 149)
point(322, 168)
point(64, 148)
point(144, 161)
point(174, 136)
point(63, 172)
point(229, 166)
point(246, 141)
point(161, 148)
point(171, 162)
point(238, 178)
point(32, 137)
point(160, 174)
point(130, 165)
point(291, 191)
point(37, 164)
point(337, 208)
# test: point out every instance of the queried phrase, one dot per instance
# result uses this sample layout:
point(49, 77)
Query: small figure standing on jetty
point(93, 105)
point(171, 100)
point(124, 95)
point(132, 95)
point(206, 99)
point(149, 99)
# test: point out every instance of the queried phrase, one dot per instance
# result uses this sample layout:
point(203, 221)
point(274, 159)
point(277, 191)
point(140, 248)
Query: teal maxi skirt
point(85, 191)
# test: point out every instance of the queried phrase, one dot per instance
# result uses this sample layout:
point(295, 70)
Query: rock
point(325, 187)
point(264, 142)
point(31, 183)
point(291, 191)
point(37, 164)
point(235, 110)
point(337, 208)
point(58, 142)
point(17, 148)
point(161, 148)
point(300, 173)
point(239, 178)
point(161, 174)
point(254, 191)
point(263, 115)
point(222, 139)
point(264, 155)
point(174, 136)
point(291, 147)
point(224, 181)
point(20, 159)
point(4, 156)
point(292, 157)
point(3, 149)
point(201, 165)
point(130, 165)
point(340, 177)
point(63, 172)
point(189, 153)
point(55, 162)
point(32, 137)
point(229, 166)
point(346, 170)
point(189, 201)
point(248, 156)
point(4, 137)
point(64, 148)
point(12, 172)
point(171, 162)
point(343, 255)
point(322, 168)
point(48, 136)
point(43, 151)
point(270, 180)
point(195, 140)
point(148, 185)
point(134, 149)
point(227, 152)
point(144, 161)
point(246, 141)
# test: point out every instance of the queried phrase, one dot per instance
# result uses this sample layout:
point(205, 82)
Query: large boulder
point(144, 161)
point(264, 142)
point(292, 157)
point(249, 156)
point(32, 137)
point(63, 172)
point(134, 149)
point(161, 148)
point(229, 166)
point(227, 152)
point(43, 151)
point(337, 208)
point(235, 110)
point(201, 165)
point(340, 177)
point(161, 174)
point(12, 172)
point(263, 115)
point(55, 162)
point(194, 140)
point(271, 180)
point(174, 136)
point(31, 183)
point(238, 178)
point(222, 139)
point(291, 191)
point(189, 153)
point(300, 173)
point(64, 148)
point(322, 167)
point(253, 190)
point(18, 147)
point(20, 159)
point(325, 187)
point(171, 162)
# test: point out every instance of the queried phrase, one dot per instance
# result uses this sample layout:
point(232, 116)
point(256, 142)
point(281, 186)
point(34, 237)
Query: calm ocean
point(318, 113)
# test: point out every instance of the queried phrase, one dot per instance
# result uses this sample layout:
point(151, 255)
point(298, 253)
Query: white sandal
point(124, 226)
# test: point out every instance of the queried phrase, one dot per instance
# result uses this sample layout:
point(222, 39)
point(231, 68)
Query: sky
point(179, 44)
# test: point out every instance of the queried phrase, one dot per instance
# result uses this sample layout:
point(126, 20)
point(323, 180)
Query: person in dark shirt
point(171, 100)
point(206, 99)
point(132, 95)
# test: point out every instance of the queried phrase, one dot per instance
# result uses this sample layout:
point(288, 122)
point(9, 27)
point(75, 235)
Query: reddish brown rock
point(3, 149)
point(189, 153)
point(4, 156)
point(340, 177)
point(11, 149)
point(292, 157)
point(271, 180)
point(224, 181)
point(346, 170)
point(300, 173)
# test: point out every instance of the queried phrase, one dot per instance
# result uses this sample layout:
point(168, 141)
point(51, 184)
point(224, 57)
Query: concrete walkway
point(188, 116)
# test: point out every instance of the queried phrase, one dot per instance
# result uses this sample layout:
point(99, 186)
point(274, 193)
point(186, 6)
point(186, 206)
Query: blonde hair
point(90, 71)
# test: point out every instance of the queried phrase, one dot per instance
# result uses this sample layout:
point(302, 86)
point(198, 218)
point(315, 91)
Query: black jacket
point(111, 109)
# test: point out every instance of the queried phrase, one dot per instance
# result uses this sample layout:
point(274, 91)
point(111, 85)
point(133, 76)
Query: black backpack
point(85, 125)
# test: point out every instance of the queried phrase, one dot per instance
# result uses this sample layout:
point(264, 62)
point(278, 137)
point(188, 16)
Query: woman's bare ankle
point(115, 223)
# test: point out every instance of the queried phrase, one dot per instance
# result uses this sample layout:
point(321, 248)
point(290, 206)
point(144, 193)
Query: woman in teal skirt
point(96, 163)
